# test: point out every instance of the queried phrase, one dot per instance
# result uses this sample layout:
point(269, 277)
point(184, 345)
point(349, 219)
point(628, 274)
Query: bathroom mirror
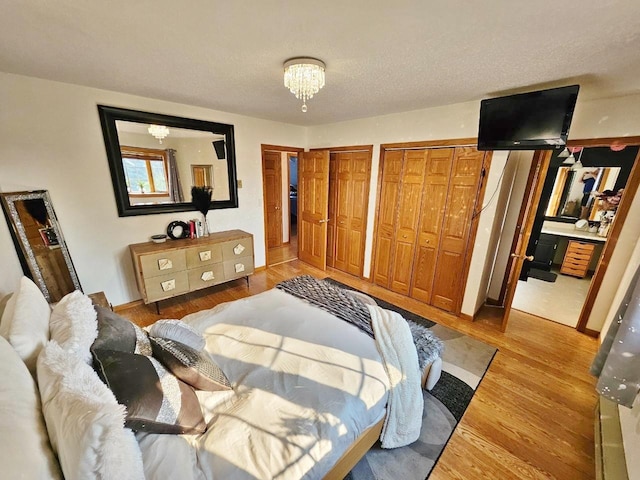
point(39, 243)
point(155, 160)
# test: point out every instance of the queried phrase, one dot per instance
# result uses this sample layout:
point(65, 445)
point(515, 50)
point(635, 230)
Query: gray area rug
point(465, 361)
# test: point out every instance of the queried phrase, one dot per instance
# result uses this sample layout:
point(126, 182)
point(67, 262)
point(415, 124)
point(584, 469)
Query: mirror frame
point(19, 236)
point(108, 118)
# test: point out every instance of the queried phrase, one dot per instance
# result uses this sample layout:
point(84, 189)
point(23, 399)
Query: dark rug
point(465, 361)
point(543, 275)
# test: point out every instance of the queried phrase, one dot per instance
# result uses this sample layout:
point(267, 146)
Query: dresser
point(172, 268)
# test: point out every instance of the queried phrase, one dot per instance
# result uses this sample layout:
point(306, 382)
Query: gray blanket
point(347, 306)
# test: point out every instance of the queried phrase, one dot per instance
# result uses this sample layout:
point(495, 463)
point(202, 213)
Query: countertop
point(568, 230)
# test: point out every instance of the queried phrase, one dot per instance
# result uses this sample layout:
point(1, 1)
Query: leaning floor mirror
point(39, 242)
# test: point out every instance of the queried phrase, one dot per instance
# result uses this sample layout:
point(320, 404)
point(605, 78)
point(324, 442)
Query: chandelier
point(304, 77)
point(158, 131)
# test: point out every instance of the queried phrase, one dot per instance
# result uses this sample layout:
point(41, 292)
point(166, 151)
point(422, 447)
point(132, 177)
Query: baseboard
point(465, 316)
point(494, 302)
point(124, 306)
point(591, 333)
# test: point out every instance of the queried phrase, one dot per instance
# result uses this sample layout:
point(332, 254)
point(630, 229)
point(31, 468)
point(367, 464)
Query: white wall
point(50, 138)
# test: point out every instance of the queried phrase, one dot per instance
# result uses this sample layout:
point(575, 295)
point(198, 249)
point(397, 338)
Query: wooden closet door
point(409, 201)
point(272, 171)
point(313, 195)
point(360, 173)
point(331, 224)
point(436, 186)
point(342, 217)
point(464, 188)
point(391, 169)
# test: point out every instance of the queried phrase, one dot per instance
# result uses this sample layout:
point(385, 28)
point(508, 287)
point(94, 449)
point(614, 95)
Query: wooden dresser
point(165, 270)
point(577, 259)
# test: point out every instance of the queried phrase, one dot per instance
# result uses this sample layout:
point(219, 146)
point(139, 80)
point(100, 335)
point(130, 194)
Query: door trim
point(271, 148)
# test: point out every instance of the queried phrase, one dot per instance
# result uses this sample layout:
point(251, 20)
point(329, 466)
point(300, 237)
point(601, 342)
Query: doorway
point(280, 180)
point(571, 229)
point(533, 219)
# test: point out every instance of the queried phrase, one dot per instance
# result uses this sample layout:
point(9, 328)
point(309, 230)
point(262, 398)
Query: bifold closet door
point(434, 199)
point(352, 174)
point(331, 224)
point(464, 190)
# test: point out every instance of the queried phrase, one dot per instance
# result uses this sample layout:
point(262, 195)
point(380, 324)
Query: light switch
point(239, 183)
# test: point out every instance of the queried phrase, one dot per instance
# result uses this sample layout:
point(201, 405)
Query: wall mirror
point(39, 243)
point(155, 160)
point(576, 191)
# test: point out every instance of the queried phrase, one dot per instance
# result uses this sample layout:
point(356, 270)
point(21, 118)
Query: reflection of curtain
point(618, 360)
point(175, 189)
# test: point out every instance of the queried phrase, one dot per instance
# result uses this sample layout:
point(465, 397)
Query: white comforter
point(306, 385)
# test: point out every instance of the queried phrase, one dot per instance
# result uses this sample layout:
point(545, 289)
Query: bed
point(310, 394)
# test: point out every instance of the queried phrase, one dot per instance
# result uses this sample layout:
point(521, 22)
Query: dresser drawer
point(239, 267)
point(243, 247)
point(203, 255)
point(206, 276)
point(166, 286)
point(579, 247)
point(162, 263)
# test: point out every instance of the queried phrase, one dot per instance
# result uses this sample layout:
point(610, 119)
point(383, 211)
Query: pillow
point(21, 422)
point(117, 333)
point(3, 303)
point(25, 322)
point(192, 367)
point(84, 421)
point(73, 324)
point(156, 401)
point(179, 331)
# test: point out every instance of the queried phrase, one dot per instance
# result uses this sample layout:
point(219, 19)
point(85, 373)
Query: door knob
point(323, 220)
point(277, 208)
point(524, 257)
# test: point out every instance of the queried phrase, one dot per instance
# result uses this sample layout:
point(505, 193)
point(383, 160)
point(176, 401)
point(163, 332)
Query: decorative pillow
point(192, 367)
point(118, 333)
point(84, 421)
point(73, 324)
point(3, 304)
point(25, 322)
point(156, 400)
point(21, 422)
point(179, 331)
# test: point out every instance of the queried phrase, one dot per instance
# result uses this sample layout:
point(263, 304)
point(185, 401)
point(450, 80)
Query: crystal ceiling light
point(304, 77)
point(158, 131)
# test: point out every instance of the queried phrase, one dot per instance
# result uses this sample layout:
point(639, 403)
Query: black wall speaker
point(219, 146)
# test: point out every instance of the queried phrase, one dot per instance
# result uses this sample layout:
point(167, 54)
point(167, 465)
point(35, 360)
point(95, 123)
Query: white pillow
point(178, 331)
point(74, 324)
point(25, 322)
point(85, 422)
point(25, 451)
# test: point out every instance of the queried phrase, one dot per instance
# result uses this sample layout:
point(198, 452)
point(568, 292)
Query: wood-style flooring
point(285, 252)
point(532, 415)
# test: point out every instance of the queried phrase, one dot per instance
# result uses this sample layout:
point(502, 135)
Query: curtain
point(617, 363)
point(175, 189)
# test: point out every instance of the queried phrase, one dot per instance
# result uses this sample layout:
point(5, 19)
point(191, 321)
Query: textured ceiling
point(382, 56)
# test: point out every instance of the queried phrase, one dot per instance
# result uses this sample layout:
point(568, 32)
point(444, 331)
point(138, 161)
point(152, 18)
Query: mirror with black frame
point(577, 193)
point(155, 160)
point(39, 242)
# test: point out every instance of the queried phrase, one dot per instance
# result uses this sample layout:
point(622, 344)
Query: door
point(313, 193)
point(535, 184)
point(331, 224)
point(272, 172)
point(464, 189)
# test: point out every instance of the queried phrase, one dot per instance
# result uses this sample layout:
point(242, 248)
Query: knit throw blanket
point(347, 306)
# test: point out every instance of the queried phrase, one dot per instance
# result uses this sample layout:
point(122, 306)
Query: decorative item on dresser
point(166, 270)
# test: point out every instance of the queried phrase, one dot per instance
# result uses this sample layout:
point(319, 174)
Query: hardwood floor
point(532, 415)
point(284, 253)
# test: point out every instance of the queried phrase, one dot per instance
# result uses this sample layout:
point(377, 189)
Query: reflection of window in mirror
point(146, 172)
point(201, 175)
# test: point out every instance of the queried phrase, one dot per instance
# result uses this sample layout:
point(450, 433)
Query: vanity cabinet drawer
point(242, 247)
point(162, 263)
point(577, 259)
point(206, 276)
point(204, 255)
point(166, 286)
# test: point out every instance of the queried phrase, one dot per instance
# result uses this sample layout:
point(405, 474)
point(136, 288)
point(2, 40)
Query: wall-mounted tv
point(528, 121)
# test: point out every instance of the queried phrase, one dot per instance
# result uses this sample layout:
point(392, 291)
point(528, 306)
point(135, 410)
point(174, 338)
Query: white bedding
point(306, 385)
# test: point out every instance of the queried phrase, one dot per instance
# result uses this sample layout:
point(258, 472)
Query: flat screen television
point(528, 121)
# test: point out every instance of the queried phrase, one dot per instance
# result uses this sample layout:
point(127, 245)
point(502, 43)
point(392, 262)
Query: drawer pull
point(239, 267)
point(165, 264)
point(204, 256)
point(168, 285)
point(207, 276)
point(238, 249)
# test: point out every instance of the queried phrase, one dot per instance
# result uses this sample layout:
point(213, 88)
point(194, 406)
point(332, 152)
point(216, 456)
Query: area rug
point(465, 361)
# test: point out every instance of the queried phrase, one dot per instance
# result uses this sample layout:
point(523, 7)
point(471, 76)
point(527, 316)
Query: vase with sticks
point(201, 200)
